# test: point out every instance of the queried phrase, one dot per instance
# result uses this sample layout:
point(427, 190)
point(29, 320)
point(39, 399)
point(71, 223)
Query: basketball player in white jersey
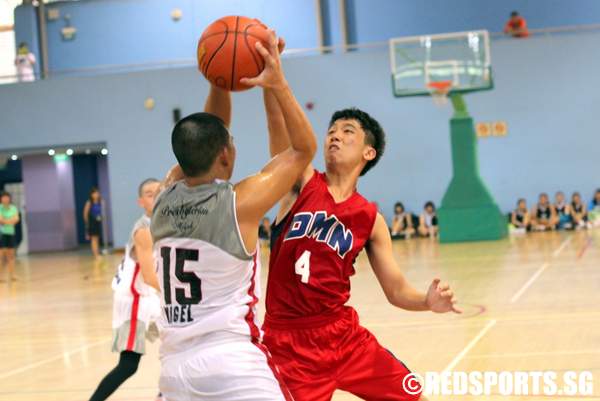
point(205, 232)
point(136, 304)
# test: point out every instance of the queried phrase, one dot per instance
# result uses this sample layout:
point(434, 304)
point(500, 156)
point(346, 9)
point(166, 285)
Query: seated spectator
point(594, 209)
point(516, 26)
point(402, 226)
point(520, 220)
point(264, 231)
point(563, 212)
point(428, 224)
point(543, 215)
point(578, 212)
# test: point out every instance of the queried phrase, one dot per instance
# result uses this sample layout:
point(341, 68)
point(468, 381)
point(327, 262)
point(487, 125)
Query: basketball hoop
point(439, 92)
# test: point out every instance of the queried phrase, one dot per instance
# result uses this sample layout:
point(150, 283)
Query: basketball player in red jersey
point(315, 339)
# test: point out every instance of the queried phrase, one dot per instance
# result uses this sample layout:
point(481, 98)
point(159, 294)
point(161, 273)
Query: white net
point(440, 99)
point(439, 92)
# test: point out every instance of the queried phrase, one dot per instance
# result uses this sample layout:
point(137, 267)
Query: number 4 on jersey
point(302, 266)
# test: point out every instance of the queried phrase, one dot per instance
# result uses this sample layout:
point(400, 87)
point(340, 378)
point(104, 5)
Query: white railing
point(299, 52)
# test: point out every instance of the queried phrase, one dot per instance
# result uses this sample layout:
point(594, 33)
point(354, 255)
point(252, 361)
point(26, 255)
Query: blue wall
point(142, 31)
point(125, 32)
point(546, 99)
point(378, 20)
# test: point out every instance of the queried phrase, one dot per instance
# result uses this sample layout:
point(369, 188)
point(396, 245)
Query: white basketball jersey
point(128, 271)
point(210, 284)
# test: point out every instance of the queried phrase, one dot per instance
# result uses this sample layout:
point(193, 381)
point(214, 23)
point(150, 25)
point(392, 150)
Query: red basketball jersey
point(313, 252)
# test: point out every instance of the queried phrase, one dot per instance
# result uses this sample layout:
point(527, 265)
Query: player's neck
point(208, 178)
point(341, 185)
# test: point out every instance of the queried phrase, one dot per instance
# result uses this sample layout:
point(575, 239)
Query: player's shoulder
point(361, 201)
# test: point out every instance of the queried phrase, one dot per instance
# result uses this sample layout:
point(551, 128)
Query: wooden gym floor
point(531, 303)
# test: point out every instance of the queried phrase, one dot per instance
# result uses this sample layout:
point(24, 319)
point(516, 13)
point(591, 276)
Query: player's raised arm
point(279, 141)
point(218, 103)
point(439, 297)
point(259, 193)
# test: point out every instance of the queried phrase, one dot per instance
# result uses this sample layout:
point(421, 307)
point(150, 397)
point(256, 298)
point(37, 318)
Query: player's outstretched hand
point(440, 298)
point(271, 76)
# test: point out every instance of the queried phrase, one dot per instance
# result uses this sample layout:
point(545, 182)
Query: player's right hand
point(271, 76)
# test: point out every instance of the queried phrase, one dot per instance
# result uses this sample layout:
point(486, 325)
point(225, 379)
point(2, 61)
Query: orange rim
point(440, 86)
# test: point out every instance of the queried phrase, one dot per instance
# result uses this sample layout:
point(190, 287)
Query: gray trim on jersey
point(204, 212)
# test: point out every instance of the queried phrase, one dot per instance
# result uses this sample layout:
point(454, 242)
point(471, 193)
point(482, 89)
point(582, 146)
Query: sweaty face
point(149, 192)
point(345, 144)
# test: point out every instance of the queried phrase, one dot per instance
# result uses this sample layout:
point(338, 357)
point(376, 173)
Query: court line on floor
point(587, 244)
point(562, 246)
point(51, 359)
point(525, 286)
point(539, 271)
point(470, 345)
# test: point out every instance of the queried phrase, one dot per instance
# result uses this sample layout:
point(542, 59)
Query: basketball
point(227, 53)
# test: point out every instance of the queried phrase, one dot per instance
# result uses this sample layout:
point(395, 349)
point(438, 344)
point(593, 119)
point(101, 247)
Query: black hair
point(143, 184)
point(514, 14)
point(374, 137)
point(521, 200)
point(429, 203)
point(397, 205)
point(23, 44)
point(196, 141)
point(94, 189)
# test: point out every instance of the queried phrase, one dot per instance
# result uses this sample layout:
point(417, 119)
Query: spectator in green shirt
point(9, 217)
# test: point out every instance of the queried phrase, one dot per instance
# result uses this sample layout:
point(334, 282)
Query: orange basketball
point(227, 52)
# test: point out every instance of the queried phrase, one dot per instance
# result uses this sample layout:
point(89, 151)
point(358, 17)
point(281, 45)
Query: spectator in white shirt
point(25, 62)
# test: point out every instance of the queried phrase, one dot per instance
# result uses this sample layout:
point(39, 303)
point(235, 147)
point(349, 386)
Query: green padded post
point(468, 211)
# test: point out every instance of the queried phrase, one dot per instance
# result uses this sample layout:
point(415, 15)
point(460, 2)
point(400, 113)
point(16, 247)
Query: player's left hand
point(440, 298)
point(272, 76)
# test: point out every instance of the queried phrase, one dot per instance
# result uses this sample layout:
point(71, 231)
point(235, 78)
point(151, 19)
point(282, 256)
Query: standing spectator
point(563, 211)
point(516, 26)
point(543, 215)
point(25, 62)
point(92, 216)
point(428, 224)
point(520, 219)
point(402, 226)
point(9, 217)
point(578, 211)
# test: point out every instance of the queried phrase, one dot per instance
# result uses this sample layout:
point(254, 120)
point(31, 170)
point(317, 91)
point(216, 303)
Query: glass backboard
point(463, 58)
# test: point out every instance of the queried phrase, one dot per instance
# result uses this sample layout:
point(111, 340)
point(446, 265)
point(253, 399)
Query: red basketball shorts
point(315, 361)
